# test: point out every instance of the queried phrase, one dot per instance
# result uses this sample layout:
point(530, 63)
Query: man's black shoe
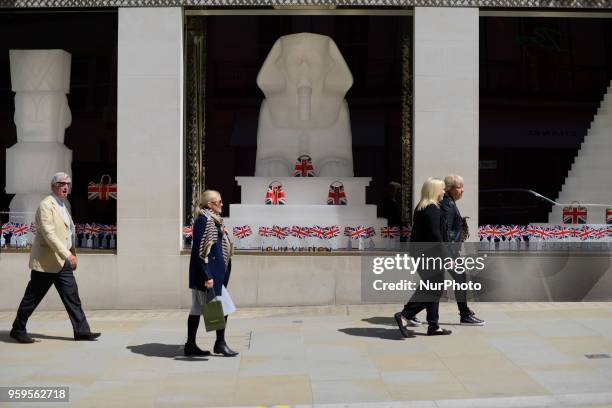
point(471, 320)
point(21, 337)
point(192, 350)
point(400, 324)
point(86, 336)
point(222, 348)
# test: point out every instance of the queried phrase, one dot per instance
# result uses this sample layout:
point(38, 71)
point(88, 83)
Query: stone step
point(595, 215)
point(581, 165)
point(303, 190)
point(596, 155)
point(585, 196)
point(310, 214)
point(592, 146)
point(600, 174)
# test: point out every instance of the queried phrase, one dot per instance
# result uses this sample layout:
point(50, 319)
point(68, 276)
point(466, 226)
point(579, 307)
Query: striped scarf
point(213, 224)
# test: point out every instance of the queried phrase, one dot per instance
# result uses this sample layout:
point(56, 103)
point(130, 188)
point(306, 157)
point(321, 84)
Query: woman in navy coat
point(209, 267)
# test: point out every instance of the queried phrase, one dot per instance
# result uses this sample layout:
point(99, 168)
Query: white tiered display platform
point(588, 181)
point(306, 206)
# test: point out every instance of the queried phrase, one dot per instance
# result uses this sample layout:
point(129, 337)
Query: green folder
point(212, 310)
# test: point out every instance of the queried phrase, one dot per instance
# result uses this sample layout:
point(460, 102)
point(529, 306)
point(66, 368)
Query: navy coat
point(453, 218)
point(199, 271)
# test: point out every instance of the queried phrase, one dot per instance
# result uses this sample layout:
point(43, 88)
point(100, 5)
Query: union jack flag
point(512, 232)
point(299, 232)
point(530, 231)
point(106, 229)
point(6, 228)
point(304, 167)
point(332, 232)
point(275, 194)
point(188, 231)
point(111, 229)
point(336, 194)
point(359, 231)
point(561, 232)
point(243, 231)
point(608, 215)
point(370, 232)
point(406, 231)
point(91, 229)
point(389, 232)
point(599, 233)
point(574, 215)
point(483, 231)
point(32, 228)
point(609, 231)
point(348, 231)
point(544, 233)
point(586, 233)
point(316, 232)
point(280, 232)
point(20, 229)
point(495, 232)
point(265, 232)
point(78, 228)
point(102, 190)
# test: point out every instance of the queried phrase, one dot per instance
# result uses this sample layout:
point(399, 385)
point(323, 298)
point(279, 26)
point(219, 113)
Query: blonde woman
point(428, 226)
point(209, 267)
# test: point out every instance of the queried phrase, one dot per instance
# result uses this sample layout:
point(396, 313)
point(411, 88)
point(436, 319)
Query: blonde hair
point(207, 197)
point(429, 193)
point(452, 180)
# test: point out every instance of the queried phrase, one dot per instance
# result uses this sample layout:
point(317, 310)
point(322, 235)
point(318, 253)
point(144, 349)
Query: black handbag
point(465, 229)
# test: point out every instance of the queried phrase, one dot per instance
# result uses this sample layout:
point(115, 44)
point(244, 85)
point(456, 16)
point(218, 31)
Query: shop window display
point(58, 113)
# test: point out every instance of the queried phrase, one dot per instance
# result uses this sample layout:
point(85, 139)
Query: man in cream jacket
point(52, 260)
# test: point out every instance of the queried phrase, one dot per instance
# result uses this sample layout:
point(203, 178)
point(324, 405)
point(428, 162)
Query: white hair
point(61, 176)
point(452, 180)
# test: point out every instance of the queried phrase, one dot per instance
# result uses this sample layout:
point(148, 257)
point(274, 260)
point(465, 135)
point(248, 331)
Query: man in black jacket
point(454, 192)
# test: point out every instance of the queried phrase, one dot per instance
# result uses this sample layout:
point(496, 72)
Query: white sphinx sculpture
point(304, 79)
point(41, 80)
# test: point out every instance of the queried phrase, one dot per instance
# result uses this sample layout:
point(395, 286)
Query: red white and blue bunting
point(89, 235)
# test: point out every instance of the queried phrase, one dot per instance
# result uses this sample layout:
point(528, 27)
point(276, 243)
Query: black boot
point(191, 348)
point(220, 345)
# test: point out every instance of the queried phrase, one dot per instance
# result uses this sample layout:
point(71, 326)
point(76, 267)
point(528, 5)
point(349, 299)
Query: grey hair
point(452, 180)
point(60, 176)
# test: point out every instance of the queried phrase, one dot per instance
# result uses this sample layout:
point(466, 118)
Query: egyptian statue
point(40, 80)
point(304, 79)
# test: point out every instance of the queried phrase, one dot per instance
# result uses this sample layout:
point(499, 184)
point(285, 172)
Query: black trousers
point(426, 299)
point(37, 288)
point(460, 295)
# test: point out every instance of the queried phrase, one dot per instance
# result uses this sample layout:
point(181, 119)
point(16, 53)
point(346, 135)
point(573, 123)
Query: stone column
point(40, 80)
point(446, 104)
